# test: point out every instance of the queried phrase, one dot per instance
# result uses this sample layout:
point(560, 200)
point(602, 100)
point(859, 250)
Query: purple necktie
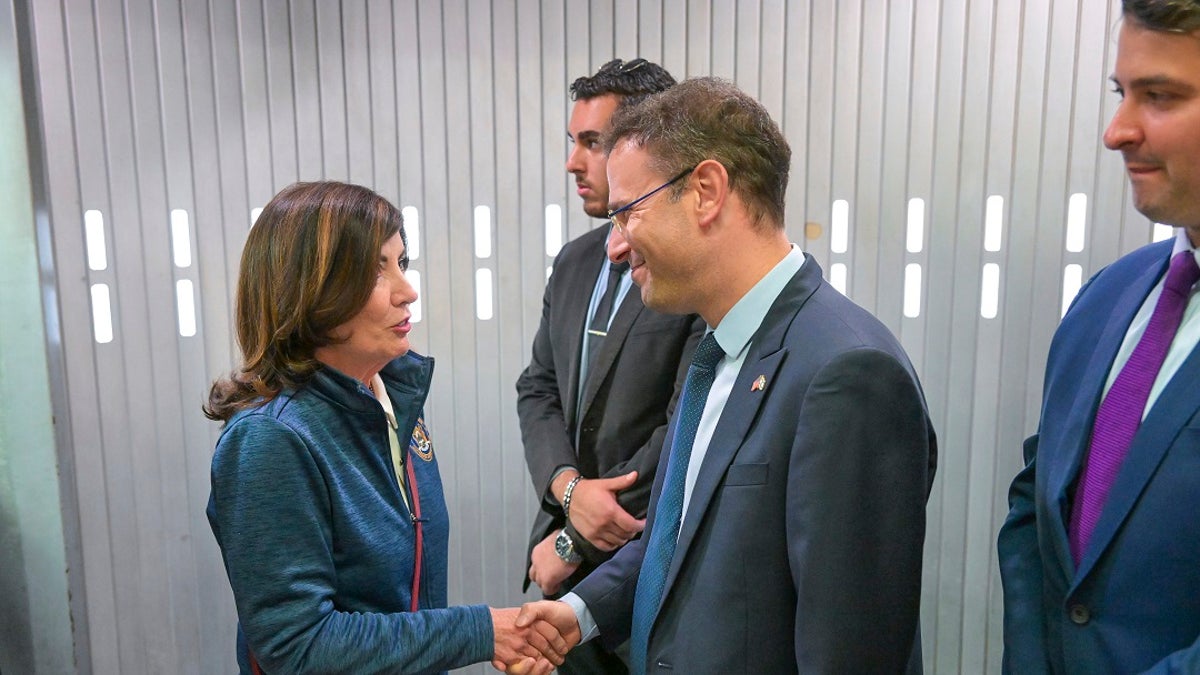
point(1120, 413)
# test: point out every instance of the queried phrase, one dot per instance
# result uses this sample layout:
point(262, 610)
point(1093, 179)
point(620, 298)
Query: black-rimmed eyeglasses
point(621, 216)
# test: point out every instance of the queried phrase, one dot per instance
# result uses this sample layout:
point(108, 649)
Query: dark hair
point(631, 80)
point(309, 265)
point(709, 118)
point(1171, 16)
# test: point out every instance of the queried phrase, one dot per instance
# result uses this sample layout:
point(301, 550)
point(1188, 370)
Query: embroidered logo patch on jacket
point(420, 443)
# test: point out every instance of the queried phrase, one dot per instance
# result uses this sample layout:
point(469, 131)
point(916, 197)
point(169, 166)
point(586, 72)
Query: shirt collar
point(742, 321)
point(1182, 243)
point(381, 395)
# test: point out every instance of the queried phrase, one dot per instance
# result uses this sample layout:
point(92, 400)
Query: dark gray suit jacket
point(801, 547)
point(623, 416)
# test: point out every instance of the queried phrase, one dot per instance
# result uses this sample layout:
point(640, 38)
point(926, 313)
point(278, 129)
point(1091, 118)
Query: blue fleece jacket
point(318, 543)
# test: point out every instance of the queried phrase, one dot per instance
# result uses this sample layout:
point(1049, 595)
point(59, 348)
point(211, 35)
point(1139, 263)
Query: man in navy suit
point(594, 400)
point(792, 505)
point(1100, 553)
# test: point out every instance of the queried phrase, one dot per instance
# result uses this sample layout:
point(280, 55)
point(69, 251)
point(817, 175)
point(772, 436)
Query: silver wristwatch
point(564, 546)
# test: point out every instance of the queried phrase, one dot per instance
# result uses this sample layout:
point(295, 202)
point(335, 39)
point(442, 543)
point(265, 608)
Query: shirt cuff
point(557, 472)
point(587, 624)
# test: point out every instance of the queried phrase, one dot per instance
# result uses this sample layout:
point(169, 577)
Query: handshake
point(534, 639)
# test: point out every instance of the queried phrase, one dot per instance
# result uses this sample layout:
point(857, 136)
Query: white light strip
point(912, 290)
point(839, 238)
point(414, 279)
point(1072, 280)
point(254, 214)
point(483, 232)
point(93, 230)
point(549, 271)
point(916, 224)
point(102, 326)
point(554, 229)
point(1076, 221)
point(412, 231)
point(993, 223)
point(483, 294)
point(837, 277)
point(185, 303)
point(181, 238)
point(989, 300)
point(1163, 232)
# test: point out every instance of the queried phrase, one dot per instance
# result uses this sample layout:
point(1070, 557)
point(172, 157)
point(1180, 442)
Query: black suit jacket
point(632, 385)
point(801, 547)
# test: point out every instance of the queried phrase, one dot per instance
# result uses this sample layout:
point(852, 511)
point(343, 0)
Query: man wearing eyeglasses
point(593, 402)
point(786, 526)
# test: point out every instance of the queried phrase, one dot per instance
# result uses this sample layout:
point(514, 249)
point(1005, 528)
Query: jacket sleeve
point(1180, 662)
point(858, 479)
point(543, 422)
point(1021, 574)
point(269, 510)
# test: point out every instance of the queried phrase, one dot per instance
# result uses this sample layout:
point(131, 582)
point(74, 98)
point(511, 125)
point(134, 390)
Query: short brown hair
point(709, 118)
point(309, 265)
point(1169, 16)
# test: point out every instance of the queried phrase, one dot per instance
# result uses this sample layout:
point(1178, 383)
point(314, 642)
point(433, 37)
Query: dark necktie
point(598, 328)
point(660, 547)
point(1120, 414)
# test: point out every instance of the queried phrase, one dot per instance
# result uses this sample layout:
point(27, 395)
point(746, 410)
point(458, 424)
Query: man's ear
point(711, 182)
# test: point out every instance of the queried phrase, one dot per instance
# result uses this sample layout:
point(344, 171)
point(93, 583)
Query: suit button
point(1080, 615)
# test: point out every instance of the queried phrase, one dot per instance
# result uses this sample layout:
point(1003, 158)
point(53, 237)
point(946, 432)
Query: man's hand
point(554, 613)
point(533, 648)
point(547, 570)
point(597, 516)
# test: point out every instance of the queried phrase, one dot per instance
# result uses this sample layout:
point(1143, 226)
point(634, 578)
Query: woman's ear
point(711, 182)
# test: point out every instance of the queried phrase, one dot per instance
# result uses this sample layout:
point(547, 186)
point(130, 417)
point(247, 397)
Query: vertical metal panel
point(210, 352)
point(304, 56)
point(149, 106)
point(721, 41)
point(509, 479)
point(674, 30)
point(650, 31)
point(381, 67)
point(567, 53)
point(794, 123)
point(974, 346)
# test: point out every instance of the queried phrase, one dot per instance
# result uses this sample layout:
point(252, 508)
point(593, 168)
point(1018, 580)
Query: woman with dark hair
point(326, 498)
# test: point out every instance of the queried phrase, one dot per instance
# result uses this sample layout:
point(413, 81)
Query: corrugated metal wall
point(172, 121)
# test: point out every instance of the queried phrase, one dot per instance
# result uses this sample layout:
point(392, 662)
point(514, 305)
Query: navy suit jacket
point(801, 548)
point(1133, 604)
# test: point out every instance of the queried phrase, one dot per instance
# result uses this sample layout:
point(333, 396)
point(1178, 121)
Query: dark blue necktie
point(661, 545)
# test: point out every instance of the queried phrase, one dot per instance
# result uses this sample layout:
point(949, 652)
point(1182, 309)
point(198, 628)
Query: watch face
point(563, 545)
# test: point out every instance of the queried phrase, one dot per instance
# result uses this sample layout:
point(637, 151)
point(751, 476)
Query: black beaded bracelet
point(566, 503)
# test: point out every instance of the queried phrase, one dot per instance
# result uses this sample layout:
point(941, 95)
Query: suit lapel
point(765, 357)
point(1177, 404)
point(1092, 377)
point(630, 309)
point(575, 308)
